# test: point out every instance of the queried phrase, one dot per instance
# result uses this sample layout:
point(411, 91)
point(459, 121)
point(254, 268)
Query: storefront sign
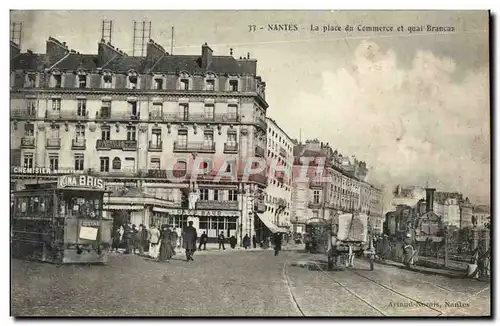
point(204, 212)
point(38, 170)
point(83, 181)
point(90, 223)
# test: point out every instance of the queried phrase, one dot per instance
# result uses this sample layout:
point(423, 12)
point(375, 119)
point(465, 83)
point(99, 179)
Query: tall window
point(31, 80)
point(204, 194)
point(156, 137)
point(184, 111)
point(232, 110)
point(81, 108)
point(316, 196)
point(29, 129)
point(209, 111)
point(107, 81)
point(158, 83)
point(28, 160)
point(79, 162)
point(54, 161)
point(157, 110)
point(131, 130)
point(233, 85)
point(231, 138)
point(210, 84)
point(184, 84)
point(80, 132)
point(106, 109)
point(208, 138)
point(31, 107)
point(132, 81)
point(182, 138)
point(82, 81)
point(54, 131)
point(104, 164)
point(56, 104)
point(117, 163)
point(216, 194)
point(133, 108)
point(105, 133)
point(233, 195)
point(155, 163)
point(57, 80)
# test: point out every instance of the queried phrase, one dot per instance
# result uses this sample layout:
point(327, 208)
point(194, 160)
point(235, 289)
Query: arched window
point(117, 163)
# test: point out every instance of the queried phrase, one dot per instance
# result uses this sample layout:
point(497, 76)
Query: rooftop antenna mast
point(142, 33)
point(16, 29)
point(172, 42)
point(107, 30)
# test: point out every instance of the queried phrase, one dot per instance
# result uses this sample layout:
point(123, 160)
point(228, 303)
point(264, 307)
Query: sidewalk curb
point(422, 271)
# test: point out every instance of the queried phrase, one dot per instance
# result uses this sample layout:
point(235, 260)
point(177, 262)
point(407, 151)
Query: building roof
point(29, 61)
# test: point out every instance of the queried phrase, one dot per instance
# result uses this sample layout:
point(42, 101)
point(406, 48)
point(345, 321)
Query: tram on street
point(61, 222)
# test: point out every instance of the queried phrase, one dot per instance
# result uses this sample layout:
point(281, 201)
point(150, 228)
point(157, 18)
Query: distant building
point(481, 215)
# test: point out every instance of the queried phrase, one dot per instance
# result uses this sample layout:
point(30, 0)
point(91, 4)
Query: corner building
point(139, 121)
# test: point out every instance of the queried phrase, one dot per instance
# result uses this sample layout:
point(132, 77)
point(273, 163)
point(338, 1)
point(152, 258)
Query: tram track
point(420, 303)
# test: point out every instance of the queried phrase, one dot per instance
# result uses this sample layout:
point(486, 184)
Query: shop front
point(265, 229)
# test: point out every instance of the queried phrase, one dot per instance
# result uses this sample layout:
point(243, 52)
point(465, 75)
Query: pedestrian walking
point(233, 242)
point(254, 241)
point(129, 239)
point(164, 236)
point(173, 236)
point(203, 241)
point(246, 241)
point(142, 238)
point(189, 239)
point(220, 240)
point(136, 238)
point(116, 240)
point(154, 242)
point(277, 243)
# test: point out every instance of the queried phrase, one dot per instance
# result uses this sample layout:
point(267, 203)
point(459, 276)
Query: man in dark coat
point(277, 243)
point(203, 241)
point(254, 240)
point(220, 240)
point(246, 241)
point(189, 240)
point(233, 241)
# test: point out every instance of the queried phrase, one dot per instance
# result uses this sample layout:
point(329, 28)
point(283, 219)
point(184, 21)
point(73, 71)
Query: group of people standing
point(164, 241)
point(131, 238)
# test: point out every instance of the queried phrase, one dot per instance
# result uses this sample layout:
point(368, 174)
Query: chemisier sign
point(80, 181)
point(38, 170)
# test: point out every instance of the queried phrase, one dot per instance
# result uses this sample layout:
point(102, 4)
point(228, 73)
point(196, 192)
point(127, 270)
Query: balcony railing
point(79, 143)
point(53, 143)
point(117, 116)
point(259, 151)
point(283, 152)
point(23, 114)
point(28, 142)
point(216, 204)
point(155, 146)
point(124, 172)
point(126, 145)
point(200, 117)
point(155, 116)
point(230, 147)
point(314, 205)
point(202, 147)
point(315, 184)
point(52, 115)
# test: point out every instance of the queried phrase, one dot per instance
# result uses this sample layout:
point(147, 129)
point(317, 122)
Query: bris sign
point(81, 181)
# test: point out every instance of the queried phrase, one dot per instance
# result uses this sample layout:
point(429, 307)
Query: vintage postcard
point(250, 163)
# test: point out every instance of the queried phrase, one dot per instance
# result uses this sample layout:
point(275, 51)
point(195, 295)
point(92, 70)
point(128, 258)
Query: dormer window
point(133, 82)
point(210, 85)
point(107, 79)
point(30, 81)
point(184, 84)
point(158, 83)
point(233, 85)
point(82, 81)
point(56, 80)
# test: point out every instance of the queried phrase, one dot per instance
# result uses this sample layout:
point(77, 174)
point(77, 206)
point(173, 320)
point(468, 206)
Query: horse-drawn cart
point(352, 239)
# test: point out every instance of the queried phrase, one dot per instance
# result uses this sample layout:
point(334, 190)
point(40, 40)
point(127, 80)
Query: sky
point(414, 106)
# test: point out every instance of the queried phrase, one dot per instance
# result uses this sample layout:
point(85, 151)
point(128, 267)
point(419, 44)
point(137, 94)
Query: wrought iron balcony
point(217, 204)
point(202, 147)
point(117, 116)
point(28, 142)
point(23, 114)
point(53, 143)
point(200, 117)
point(166, 174)
point(126, 145)
point(259, 151)
point(155, 146)
point(79, 143)
point(156, 116)
point(230, 147)
point(52, 115)
point(283, 152)
point(124, 172)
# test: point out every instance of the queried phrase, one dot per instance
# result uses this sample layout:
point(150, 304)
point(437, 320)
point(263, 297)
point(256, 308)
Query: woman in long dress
point(163, 246)
point(169, 251)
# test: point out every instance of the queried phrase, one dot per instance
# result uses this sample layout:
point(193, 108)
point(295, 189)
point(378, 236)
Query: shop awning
point(161, 209)
point(273, 228)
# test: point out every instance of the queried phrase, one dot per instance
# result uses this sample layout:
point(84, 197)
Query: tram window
point(81, 207)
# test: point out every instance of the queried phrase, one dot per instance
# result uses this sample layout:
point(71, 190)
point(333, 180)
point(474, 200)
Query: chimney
point(55, 50)
point(154, 52)
point(14, 49)
point(106, 52)
point(206, 56)
point(429, 199)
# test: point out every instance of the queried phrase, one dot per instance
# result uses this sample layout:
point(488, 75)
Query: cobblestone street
point(236, 283)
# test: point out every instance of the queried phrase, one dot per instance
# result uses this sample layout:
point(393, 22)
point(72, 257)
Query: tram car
point(61, 222)
point(317, 233)
point(352, 239)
